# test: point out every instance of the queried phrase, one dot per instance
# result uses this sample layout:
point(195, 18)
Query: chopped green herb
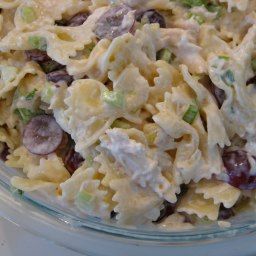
point(38, 42)
point(190, 114)
point(28, 14)
point(116, 99)
point(193, 3)
point(228, 78)
point(120, 124)
point(215, 8)
point(24, 114)
point(30, 95)
point(198, 18)
point(164, 54)
point(253, 63)
point(223, 57)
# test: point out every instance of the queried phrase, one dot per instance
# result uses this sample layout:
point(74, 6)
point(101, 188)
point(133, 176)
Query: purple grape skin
point(218, 93)
point(5, 152)
point(75, 21)
point(73, 160)
point(42, 135)
point(225, 213)
point(238, 169)
point(169, 208)
point(78, 19)
point(50, 66)
point(109, 24)
point(37, 55)
point(152, 16)
point(251, 80)
point(59, 75)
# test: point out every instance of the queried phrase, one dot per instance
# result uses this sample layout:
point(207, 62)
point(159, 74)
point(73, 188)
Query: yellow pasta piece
point(219, 191)
point(193, 203)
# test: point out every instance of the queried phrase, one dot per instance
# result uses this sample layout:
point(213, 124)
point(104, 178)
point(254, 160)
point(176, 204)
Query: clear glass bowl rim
point(201, 235)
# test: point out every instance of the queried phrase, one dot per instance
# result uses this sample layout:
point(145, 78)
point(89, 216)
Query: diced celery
point(38, 42)
point(24, 114)
point(164, 54)
point(191, 114)
point(31, 95)
point(89, 160)
point(198, 18)
point(115, 99)
point(8, 73)
point(224, 57)
point(47, 93)
point(28, 14)
point(193, 3)
point(120, 124)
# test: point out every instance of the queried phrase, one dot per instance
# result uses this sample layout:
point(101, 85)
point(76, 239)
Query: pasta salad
point(139, 112)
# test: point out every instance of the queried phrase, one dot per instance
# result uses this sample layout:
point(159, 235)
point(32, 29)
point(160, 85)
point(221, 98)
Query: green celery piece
point(28, 14)
point(38, 42)
point(47, 93)
point(193, 3)
point(24, 114)
point(223, 57)
point(116, 99)
point(31, 95)
point(191, 114)
point(198, 18)
point(120, 124)
point(164, 54)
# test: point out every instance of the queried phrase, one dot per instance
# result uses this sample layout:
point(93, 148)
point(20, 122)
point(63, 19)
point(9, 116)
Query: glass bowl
point(91, 236)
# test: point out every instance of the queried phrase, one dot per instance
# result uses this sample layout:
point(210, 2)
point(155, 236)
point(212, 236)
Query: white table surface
point(14, 241)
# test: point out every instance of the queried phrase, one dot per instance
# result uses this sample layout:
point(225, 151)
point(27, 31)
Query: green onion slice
point(198, 18)
point(164, 54)
point(38, 42)
point(191, 114)
point(31, 95)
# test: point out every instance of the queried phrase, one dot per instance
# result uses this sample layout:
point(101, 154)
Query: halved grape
point(37, 55)
point(238, 169)
point(115, 22)
point(42, 135)
point(225, 213)
point(78, 19)
point(251, 80)
point(59, 75)
point(151, 16)
point(73, 160)
point(4, 152)
point(218, 93)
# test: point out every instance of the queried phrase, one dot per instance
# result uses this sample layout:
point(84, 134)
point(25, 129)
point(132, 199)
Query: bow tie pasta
point(140, 113)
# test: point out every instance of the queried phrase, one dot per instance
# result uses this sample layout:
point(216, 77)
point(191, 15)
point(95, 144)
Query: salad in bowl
point(142, 113)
